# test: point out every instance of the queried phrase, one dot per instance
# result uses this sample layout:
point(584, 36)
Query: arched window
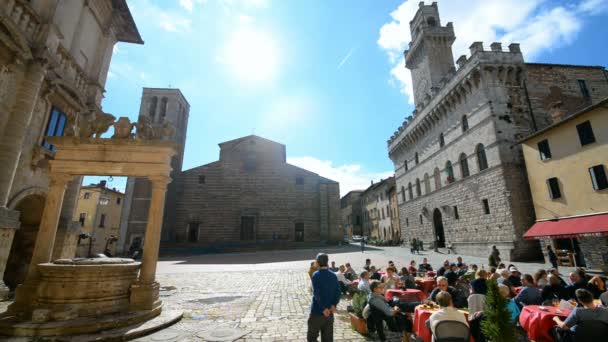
point(416, 157)
point(464, 165)
point(427, 183)
point(441, 140)
point(482, 161)
point(153, 104)
point(409, 190)
point(465, 123)
point(403, 193)
point(405, 165)
point(437, 175)
point(418, 190)
point(449, 171)
point(163, 109)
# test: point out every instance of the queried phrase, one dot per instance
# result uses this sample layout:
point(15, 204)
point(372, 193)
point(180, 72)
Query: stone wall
point(595, 251)
point(549, 83)
point(253, 179)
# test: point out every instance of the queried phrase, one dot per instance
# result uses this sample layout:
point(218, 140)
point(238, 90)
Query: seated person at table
point(459, 262)
point(368, 264)
point(391, 263)
point(577, 281)
point(541, 278)
point(363, 286)
point(424, 266)
point(469, 273)
point(554, 290)
point(596, 286)
point(447, 311)
point(588, 312)
point(451, 275)
point(504, 279)
point(350, 273)
point(381, 311)
point(442, 285)
point(479, 285)
point(406, 279)
point(374, 274)
point(441, 270)
point(529, 295)
point(515, 277)
point(412, 269)
point(342, 281)
point(555, 272)
point(493, 273)
point(513, 308)
point(390, 280)
point(333, 267)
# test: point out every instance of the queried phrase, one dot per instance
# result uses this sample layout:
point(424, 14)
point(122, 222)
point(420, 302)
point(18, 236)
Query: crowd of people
point(462, 286)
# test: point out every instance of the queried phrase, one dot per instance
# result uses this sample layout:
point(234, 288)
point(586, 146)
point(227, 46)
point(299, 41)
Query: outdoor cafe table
point(426, 284)
point(421, 315)
point(408, 293)
point(538, 323)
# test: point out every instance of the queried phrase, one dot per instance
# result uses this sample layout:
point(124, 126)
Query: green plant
point(359, 301)
point(497, 325)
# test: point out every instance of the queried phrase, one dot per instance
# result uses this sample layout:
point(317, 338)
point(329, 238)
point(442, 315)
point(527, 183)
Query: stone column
point(14, 133)
point(43, 249)
point(144, 293)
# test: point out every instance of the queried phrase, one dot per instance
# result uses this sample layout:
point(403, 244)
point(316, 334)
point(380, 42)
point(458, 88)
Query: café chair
point(591, 331)
point(451, 331)
point(604, 298)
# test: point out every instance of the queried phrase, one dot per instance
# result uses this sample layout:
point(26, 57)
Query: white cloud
point(350, 177)
point(146, 12)
point(538, 25)
point(187, 4)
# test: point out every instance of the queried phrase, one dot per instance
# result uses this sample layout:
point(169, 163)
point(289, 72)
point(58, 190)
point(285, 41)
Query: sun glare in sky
point(252, 56)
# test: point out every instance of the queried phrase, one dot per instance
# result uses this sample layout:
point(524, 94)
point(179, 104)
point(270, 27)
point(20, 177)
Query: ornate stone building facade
point(380, 214)
point(251, 197)
point(54, 60)
point(352, 218)
point(459, 171)
point(159, 106)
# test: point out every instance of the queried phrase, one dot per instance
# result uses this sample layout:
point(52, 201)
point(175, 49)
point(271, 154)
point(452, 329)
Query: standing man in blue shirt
point(325, 297)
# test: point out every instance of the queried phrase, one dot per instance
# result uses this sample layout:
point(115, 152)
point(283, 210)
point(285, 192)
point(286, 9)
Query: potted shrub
point(497, 325)
point(356, 319)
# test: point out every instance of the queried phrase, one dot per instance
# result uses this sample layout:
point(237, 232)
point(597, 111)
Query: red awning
point(595, 225)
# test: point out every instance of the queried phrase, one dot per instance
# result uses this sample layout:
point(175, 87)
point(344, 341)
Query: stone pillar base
point(144, 296)
point(25, 299)
point(9, 223)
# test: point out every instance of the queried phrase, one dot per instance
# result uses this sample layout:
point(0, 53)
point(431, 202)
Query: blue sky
point(323, 77)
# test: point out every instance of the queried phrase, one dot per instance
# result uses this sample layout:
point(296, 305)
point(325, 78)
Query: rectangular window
point(104, 201)
point(544, 150)
point(118, 200)
point(247, 228)
point(553, 184)
point(193, 232)
point(407, 222)
point(299, 180)
point(54, 127)
point(201, 179)
point(598, 177)
point(584, 90)
point(102, 221)
point(82, 218)
point(585, 133)
point(299, 232)
point(486, 207)
point(420, 219)
point(383, 213)
point(456, 216)
point(87, 195)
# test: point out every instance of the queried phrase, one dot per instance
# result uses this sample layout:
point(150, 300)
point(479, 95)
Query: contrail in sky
point(345, 59)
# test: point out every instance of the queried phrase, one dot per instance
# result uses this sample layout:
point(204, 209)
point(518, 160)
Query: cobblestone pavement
point(265, 294)
point(268, 294)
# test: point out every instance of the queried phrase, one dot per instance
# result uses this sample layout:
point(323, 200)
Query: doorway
point(247, 228)
point(439, 233)
point(31, 208)
point(193, 232)
point(299, 233)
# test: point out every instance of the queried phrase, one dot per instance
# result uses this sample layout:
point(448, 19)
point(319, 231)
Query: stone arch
point(34, 190)
point(30, 207)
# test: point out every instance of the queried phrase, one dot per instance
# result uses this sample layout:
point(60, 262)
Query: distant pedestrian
point(552, 256)
point(414, 246)
point(325, 298)
point(362, 245)
point(420, 245)
point(494, 259)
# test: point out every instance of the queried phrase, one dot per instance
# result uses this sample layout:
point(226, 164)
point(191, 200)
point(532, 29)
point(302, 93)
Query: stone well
point(86, 287)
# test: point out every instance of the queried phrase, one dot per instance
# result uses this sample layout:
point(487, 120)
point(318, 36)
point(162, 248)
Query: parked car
point(357, 238)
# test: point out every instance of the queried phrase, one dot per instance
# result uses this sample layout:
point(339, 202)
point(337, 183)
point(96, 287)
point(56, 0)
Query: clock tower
point(429, 56)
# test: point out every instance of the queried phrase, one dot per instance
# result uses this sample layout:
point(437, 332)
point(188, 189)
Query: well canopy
point(595, 225)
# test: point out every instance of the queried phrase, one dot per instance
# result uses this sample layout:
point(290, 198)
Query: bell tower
point(429, 56)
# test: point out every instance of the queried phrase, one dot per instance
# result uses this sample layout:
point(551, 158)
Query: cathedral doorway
point(19, 258)
point(247, 228)
point(299, 233)
point(439, 233)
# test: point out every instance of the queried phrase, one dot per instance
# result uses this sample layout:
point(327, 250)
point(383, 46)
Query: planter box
point(359, 324)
